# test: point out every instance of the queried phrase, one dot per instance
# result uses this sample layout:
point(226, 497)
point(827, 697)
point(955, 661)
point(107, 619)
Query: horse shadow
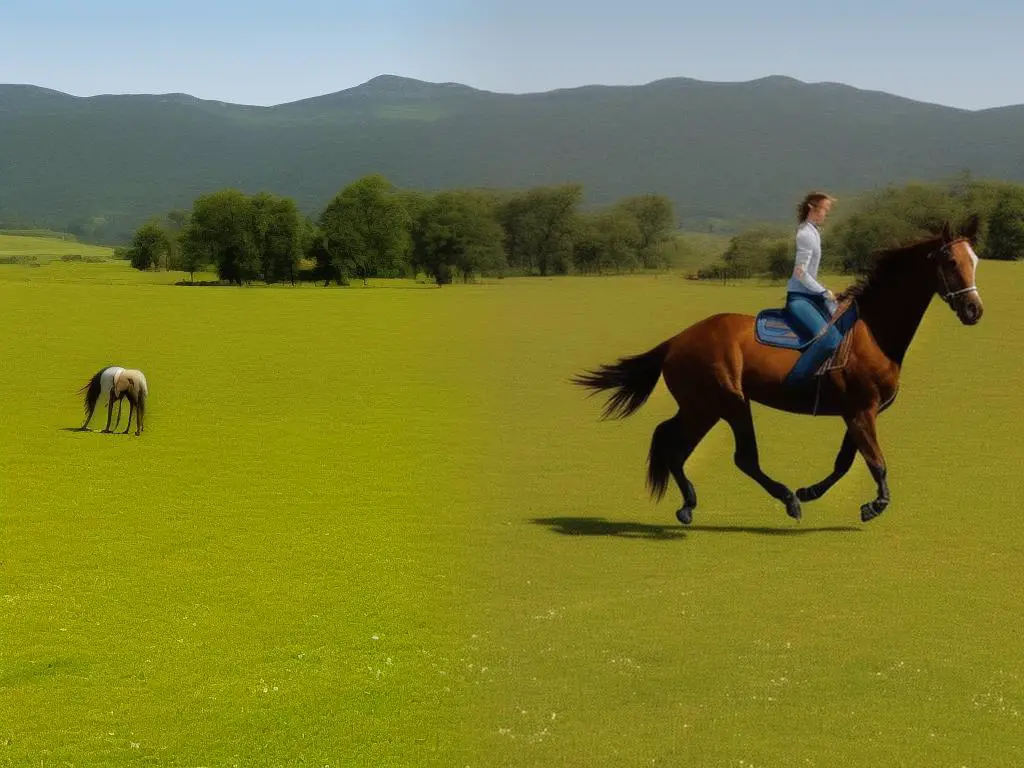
point(599, 526)
point(90, 430)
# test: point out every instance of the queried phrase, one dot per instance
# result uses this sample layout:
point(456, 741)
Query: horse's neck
point(894, 308)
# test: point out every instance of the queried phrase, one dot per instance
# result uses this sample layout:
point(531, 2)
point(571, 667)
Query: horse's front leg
point(861, 426)
point(131, 410)
point(844, 460)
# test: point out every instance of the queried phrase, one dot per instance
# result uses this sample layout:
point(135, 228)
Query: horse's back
point(108, 377)
point(716, 331)
point(713, 344)
point(725, 348)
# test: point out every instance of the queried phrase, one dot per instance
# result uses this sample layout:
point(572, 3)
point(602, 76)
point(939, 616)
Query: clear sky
point(962, 54)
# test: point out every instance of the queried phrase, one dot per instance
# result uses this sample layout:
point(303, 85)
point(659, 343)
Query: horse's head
point(956, 265)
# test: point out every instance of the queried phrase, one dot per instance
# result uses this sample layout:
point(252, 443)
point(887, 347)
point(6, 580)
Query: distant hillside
point(43, 248)
point(719, 150)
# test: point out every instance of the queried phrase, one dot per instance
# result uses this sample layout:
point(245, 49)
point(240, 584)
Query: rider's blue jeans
point(812, 314)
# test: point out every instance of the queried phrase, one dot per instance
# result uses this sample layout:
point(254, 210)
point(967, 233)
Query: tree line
point(882, 219)
point(373, 229)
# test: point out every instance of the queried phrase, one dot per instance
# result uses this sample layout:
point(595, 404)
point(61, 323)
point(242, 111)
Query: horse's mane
point(884, 263)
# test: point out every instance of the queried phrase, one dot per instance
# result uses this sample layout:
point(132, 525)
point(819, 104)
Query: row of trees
point(882, 219)
point(372, 229)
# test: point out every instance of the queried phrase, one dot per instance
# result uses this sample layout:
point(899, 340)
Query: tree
point(538, 226)
point(781, 258)
point(219, 233)
point(196, 255)
point(366, 228)
point(607, 239)
point(457, 230)
point(1006, 227)
point(275, 236)
point(149, 246)
point(174, 224)
point(655, 222)
point(315, 248)
point(753, 251)
point(413, 201)
point(891, 217)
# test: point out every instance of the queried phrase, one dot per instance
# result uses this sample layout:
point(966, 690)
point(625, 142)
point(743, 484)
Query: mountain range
point(740, 150)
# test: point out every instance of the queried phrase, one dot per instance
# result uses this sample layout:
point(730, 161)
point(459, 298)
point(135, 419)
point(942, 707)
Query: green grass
point(46, 249)
point(378, 527)
point(41, 233)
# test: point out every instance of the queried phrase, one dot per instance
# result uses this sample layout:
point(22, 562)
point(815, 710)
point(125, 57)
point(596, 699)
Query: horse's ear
point(970, 229)
point(946, 233)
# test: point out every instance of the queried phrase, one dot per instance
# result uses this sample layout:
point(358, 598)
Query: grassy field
point(376, 526)
point(46, 249)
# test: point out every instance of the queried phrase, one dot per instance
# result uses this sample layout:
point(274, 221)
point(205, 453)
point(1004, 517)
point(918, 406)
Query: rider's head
point(815, 207)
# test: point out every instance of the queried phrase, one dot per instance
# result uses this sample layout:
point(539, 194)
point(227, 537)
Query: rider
point(809, 303)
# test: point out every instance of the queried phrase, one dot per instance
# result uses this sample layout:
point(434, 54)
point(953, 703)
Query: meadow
point(378, 526)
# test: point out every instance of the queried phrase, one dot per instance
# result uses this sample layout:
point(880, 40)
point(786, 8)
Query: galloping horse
point(717, 366)
point(116, 384)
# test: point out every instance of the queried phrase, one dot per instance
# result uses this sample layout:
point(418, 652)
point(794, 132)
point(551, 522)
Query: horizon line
point(455, 84)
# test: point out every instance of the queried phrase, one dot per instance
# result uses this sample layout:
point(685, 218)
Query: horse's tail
point(632, 379)
point(92, 391)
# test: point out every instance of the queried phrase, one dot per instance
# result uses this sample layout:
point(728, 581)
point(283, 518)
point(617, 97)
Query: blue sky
point(967, 55)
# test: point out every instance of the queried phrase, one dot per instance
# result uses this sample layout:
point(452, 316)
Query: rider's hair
point(810, 200)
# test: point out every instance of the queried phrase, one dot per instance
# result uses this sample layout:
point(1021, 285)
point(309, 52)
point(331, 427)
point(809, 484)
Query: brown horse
point(716, 367)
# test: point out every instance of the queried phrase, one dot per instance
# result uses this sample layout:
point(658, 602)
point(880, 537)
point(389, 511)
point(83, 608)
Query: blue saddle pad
point(773, 327)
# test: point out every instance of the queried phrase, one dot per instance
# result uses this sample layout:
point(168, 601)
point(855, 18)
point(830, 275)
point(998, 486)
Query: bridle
point(947, 295)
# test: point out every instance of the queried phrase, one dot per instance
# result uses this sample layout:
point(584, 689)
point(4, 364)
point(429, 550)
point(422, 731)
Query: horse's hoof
point(793, 508)
point(806, 494)
point(870, 511)
point(684, 515)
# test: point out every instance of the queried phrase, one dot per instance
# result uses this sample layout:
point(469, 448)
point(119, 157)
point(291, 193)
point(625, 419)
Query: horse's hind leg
point(747, 459)
point(844, 460)
point(110, 410)
point(120, 402)
point(671, 445)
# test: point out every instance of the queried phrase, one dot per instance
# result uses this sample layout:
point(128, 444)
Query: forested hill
point(718, 150)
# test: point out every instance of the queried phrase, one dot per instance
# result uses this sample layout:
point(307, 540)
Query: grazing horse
point(115, 384)
point(718, 365)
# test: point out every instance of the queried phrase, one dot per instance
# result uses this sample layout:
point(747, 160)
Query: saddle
point(775, 328)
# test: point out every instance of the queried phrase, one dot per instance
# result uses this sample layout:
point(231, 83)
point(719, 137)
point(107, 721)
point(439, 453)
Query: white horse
point(115, 383)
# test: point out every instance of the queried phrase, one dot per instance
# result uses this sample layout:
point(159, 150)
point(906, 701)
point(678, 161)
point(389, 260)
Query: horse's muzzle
point(969, 310)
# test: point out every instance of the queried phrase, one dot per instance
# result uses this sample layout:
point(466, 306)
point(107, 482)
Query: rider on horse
point(810, 304)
